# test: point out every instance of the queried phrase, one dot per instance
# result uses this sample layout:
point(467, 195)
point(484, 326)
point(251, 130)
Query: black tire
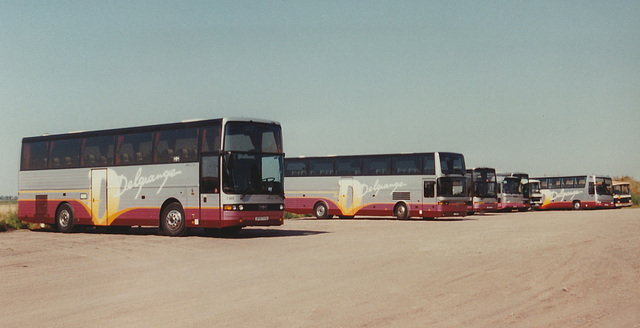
point(65, 221)
point(321, 211)
point(401, 211)
point(577, 205)
point(173, 220)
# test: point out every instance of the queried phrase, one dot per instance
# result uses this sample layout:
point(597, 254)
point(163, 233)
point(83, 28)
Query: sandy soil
point(537, 269)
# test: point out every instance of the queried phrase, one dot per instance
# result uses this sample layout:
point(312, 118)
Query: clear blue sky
point(544, 87)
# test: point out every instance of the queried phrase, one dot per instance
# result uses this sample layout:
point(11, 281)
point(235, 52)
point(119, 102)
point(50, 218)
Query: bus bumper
point(252, 218)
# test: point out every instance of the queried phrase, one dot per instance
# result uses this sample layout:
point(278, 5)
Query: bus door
point(429, 204)
point(210, 211)
point(346, 200)
point(99, 197)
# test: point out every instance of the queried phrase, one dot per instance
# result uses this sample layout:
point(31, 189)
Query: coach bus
point(535, 195)
point(576, 192)
point(622, 194)
point(212, 174)
point(427, 185)
point(513, 192)
point(483, 188)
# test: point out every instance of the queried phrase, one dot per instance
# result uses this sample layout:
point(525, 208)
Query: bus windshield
point(253, 137)
point(603, 186)
point(484, 184)
point(452, 187)
point(250, 173)
point(452, 163)
point(511, 186)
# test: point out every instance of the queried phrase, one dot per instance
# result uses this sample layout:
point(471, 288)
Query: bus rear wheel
point(65, 221)
point(401, 211)
point(173, 220)
point(321, 211)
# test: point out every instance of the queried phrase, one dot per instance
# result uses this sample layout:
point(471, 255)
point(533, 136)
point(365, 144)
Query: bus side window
point(429, 189)
point(210, 176)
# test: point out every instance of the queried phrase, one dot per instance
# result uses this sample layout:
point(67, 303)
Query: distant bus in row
point(483, 189)
point(535, 195)
point(513, 192)
point(212, 174)
point(576, 192)
point(621, 194)
point(428, 185)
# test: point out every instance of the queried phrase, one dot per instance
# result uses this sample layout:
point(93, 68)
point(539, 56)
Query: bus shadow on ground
point(249, 233)
point(245, 233)
point(390, 218)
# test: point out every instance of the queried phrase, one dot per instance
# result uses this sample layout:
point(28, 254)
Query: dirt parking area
point(536, 269)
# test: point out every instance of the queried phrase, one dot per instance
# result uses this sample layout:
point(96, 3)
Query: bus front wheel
point(65, 221)
point(402, 212)
point(173, 220)
point(576, 205)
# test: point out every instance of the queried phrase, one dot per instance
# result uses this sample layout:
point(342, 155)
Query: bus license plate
point(262, 218)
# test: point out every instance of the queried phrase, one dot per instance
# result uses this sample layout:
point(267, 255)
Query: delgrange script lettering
point(366, 189)
point(140, 181)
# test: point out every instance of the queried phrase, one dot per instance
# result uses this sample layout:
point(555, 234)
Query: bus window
point(35, 155)
point(177, 145)
point(321, 166)
point(429, 189)
point(210, 176)
point(211, 139)
point(568, 182)
point(406, 165)
point(581, 181)
point(135, 148)
point(452, 163)
point(450, 187)
point(295, 167)
point(65, 153)
point(349, 166)
point(429, 166)
point(377, 166)
point(98, 151)
point(251, 137)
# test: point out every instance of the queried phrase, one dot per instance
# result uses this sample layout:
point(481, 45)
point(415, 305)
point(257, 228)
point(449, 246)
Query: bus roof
point(144, 128)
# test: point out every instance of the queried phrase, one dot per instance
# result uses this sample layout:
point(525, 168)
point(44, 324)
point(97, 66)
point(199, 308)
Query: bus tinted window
point(321, 166)
point(603, 186)
point(250, 137)
point(452, 163)
point(35, 155)
point(377, 165)
point(177, 145)
point(568, 182)
point(349, 166)
point(452, 187)
point(406, 165)
point(429, 164)
point(98, 151)
point(65, 153)
point(543, 184)
point(211, 139)
point(135, 148)
point(581, 181)
point(295, 167)
point(554, 183)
